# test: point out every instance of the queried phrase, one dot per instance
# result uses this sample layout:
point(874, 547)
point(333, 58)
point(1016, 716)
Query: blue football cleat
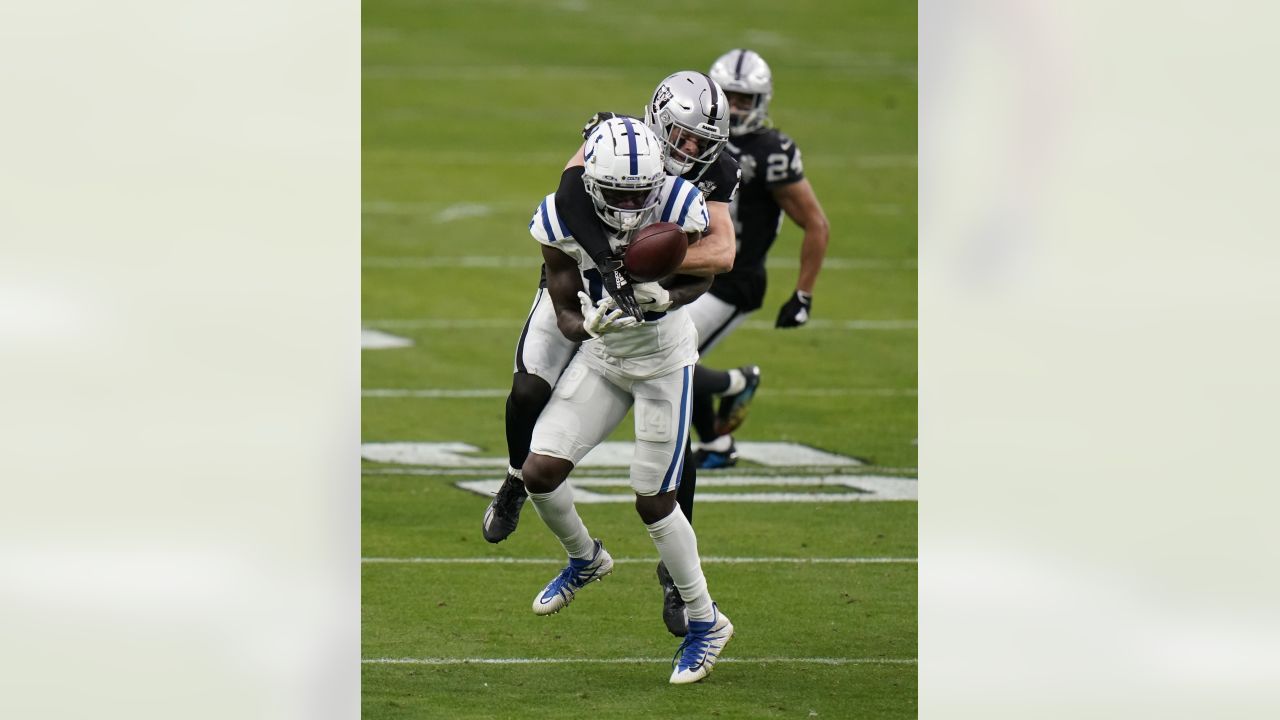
point(560, 591)
point(697, 655)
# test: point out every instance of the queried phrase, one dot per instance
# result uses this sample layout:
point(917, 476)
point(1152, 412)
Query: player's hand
point(795, 312)
point(603, 318)
point(596, 120)
point(619, 286)
point(652, 296)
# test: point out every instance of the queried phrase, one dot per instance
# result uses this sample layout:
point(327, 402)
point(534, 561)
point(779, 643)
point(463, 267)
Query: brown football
point(655, 252)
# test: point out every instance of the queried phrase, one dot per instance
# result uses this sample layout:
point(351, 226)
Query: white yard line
point(448, 393)
point(631, 661)
point(706, 559)
point(495, 323)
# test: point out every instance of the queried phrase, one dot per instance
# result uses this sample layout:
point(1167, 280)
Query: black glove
point(795, 312)
point(596, 120)
point(618, 285)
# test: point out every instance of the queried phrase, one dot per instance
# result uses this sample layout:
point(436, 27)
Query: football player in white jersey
point(691, 113)
point(623, 361)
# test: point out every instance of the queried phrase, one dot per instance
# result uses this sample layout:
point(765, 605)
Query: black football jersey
point(768, 159)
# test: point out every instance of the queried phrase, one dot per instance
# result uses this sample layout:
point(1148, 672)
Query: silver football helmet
point(690, 115)
point(745, 72)
point(623, 172)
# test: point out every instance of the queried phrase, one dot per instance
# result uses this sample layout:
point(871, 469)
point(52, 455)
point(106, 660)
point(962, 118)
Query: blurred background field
point(470, 110)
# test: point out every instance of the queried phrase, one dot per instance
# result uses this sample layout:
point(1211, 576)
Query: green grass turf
point(478, 103)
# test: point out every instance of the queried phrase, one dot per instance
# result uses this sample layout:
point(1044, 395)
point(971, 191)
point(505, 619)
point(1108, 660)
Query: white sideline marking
point(494, 323)
point(500, 392)
point(706, 559)
point(417, 262)
point(378, 340)
point(631, 661)
point(863, 488)
point(606, 454)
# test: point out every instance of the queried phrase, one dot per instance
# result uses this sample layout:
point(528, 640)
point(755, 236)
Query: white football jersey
point(664, 341)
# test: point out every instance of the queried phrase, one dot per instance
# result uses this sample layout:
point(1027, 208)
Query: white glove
point(652, 296)
point(604, 318)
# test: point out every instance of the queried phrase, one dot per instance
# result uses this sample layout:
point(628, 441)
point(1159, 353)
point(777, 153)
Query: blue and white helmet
point(690, 115)
point(745, 72)
point(623, 172)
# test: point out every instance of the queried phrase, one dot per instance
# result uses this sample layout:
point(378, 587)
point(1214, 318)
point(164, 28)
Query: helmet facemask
point(749, 116)
point(686, 148)
point(623, 206)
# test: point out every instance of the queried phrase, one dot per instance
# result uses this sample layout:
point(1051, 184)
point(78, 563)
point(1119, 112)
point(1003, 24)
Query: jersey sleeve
point(546, 226)
point(726, 174)
point(780, 161)
point(684, 206)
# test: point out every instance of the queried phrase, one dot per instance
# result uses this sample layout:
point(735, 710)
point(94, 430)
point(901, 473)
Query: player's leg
point(541, 354)
point(662, 426)
point(673, 612)
point(716, 320)
point(582, 412)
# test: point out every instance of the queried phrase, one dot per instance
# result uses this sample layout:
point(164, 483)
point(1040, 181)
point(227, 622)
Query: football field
point(470, 109)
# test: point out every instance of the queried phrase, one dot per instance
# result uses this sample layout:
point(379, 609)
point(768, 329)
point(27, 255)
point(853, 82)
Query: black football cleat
point(673, 612)
point(733, 408)
point(503, 513)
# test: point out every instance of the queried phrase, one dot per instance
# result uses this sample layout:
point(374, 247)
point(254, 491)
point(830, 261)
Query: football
point(655, 252)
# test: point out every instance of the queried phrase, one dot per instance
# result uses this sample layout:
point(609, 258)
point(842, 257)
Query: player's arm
point(673, 292)
point(564, 282)
point(577, 316)
point(799, 202)
point(713, 254)
point(684, 289)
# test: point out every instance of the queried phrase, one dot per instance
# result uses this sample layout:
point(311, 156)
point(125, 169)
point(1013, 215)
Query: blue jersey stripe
point(631, 145)
point(671, 200)
point(677, 460)
point(546, 223)
point(685, 210)
point(552, 210)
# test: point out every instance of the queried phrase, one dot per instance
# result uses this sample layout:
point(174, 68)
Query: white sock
point(517, 474)
point(678, 547)
point(557, 511)
point(736, 382)
point(720, 444)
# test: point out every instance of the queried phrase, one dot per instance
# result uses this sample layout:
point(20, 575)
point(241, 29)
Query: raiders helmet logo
point(707, 187)
point(662, 97)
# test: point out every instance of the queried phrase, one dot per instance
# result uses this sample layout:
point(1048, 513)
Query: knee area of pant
point(542, 474)
point(529, 391)
point(652, 508)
